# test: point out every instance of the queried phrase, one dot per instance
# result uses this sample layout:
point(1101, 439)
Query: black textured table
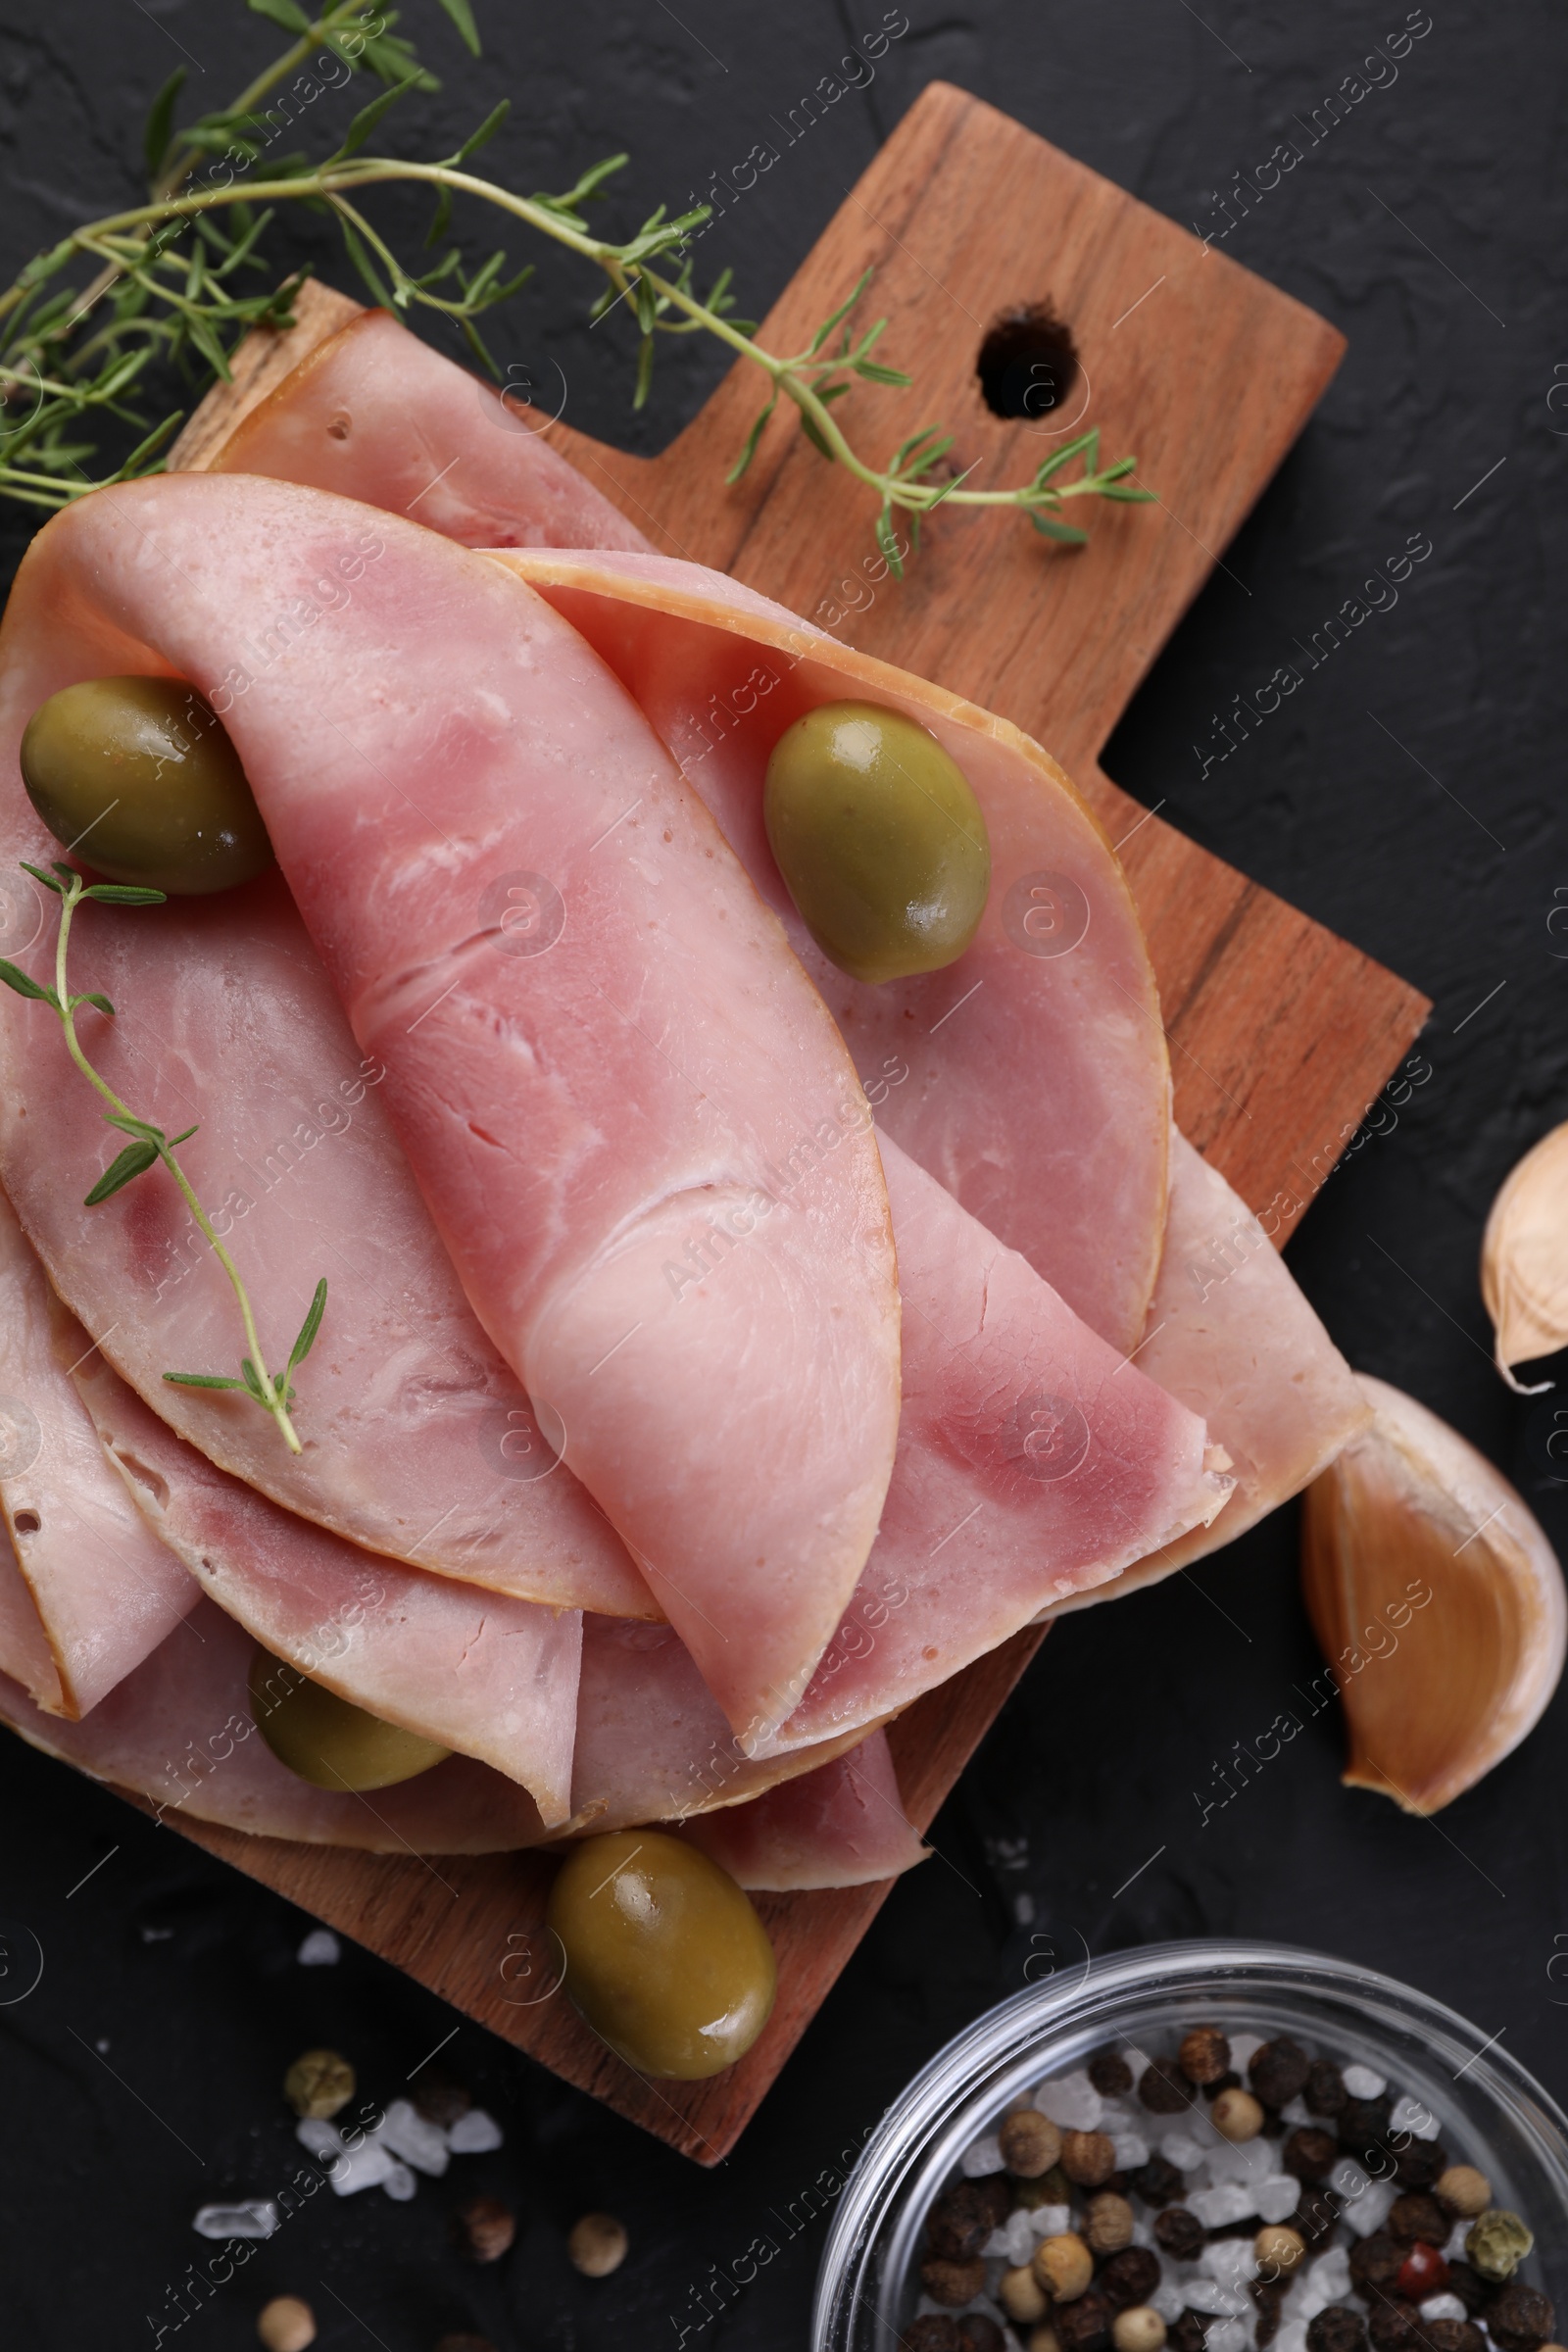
point(1411, 798)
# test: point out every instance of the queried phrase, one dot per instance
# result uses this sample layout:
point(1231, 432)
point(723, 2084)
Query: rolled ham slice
point(478, 1671)
point(99, 1588)
point(1232, 1335)
point(842, 1824)
point(374, 414)
point(582, 1091)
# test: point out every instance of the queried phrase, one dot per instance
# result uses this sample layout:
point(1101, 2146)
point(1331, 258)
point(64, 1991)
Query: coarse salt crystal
point(1363, 2083)
point(257, 2217)
point(1131, 2152)
point(1169, 2300)
point(1410, 2115)
point(407, 2134)
point(1444, 2307)
point(1230, 2260)
point(1230, 2201)
point(1072, 2101)
point(362, 2168)
point(1051, 2221)
point(980, 2158)
point(1207, 2295)
point(1231, 2335)
point(1349, 2179)
point(1243, 2047)
point(1292, 2337)
point(1370, 2210)
point(1238, 2159)
point(1327, 2281)
point(1013, 2242)
point(1184, 2153)
point(321, 1949)
point(474, 2133)
point(1296, 2110)
point(400, 2184)
point(1455, 2248)
point(320, 2137)
point(1278, 2195)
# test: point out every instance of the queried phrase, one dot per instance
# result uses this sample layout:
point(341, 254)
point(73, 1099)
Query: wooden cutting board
point(1281, 1034)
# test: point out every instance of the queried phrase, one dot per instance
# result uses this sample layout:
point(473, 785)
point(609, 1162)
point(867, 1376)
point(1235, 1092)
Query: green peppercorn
point(319, 2084)
point(1496, 2243)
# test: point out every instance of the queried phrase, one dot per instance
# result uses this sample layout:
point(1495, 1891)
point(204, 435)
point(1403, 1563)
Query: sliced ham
point(493, 1677)
point(419, 1440)
point(178, 1732)
point(441, 755)
point(375, 415)
point(1031, 1076)
point(100, 1589)
point(842, 1824)
point(1232, 1335)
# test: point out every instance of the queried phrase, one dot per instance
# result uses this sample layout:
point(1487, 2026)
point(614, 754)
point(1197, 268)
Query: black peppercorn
point(1180, 2232)
point(1051, 2189)
point(1278, 2070)
point(1158, 2181)
point(1130, 2277)
point(1205, 2054)
point(1520, 2319)
point(964, 2215)
point(1189, 2332)
point(1315, 2216)
point(1325, 2092)
point(1339, 2329)
point(936, 2333)
point(953, 2283)
point(979, 2332)
point(1420, 2163)
point(1376, 2263)
point(1362, 2125)
point(1110, 2074)
point(1310, 2154)
point(1453, 2336)
point(1085, 2324)
point(483, 2228)
point(1230, 2079)
point(1163, 2089)
point(1473, 2291)
point(1269, 2300)
point(1395, 2326)
point(1417, 2215)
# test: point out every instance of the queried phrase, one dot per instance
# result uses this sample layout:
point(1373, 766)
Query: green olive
point(325, 1739)
point(879, 838)
point(141, 776)
point(666, 1957)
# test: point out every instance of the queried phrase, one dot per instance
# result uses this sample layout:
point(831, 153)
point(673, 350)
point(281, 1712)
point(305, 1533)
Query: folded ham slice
point(99, 1588)
point(1232, 1335)
point(583, 1090)
point(374, 414)
point(842, 1824)
point(478, 1671)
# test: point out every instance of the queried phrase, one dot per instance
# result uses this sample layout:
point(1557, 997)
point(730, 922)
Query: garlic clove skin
point(1437, 1599)
point(1524, 1260)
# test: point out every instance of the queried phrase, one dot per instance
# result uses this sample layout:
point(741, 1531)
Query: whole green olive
point(879, 838)
point(325, 1739)
point(139, 773)
point(666, 1957)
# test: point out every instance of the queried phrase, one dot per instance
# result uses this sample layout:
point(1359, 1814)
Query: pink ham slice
point(578, 1115)
point(1031, 1076)
point(842, 1824)
point(419, 1439)
point(492, 1677)
point(99, 1588)
point(374, 414)
point(1231, 1335)
point(178, 1732)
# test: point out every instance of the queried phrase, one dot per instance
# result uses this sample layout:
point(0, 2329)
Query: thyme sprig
point(150, 1147)
point(169, 274)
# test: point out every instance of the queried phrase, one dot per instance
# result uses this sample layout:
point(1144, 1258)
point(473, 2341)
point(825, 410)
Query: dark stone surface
point(1445, 858)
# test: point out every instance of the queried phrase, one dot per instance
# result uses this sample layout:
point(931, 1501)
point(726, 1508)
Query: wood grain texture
point(1280, 1033)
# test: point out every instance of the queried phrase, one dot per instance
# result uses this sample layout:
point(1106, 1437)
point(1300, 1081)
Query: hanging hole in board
point(1028, 365)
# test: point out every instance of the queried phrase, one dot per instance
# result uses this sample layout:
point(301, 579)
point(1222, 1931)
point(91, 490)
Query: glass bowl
point(1490, 2111)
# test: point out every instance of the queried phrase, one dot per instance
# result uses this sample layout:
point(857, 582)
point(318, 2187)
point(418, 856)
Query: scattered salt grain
point(1410, 2115)
point(407, 2134)
point(322, 2138)
point(257, 2217)
point(1444, 2307)
point(1363, 2083)
point(321, 1949)
point(1349, 2179)
point(400, 2184)
point(362, 2168)
point(1278, 2195)
point(1208, 2295)
point(983, 2158)
point(1072, 2101)
point(474, 2133)
point(1184, 2153)
point(1370, 2210)
point(1132, 2152)
point(1230, 2201)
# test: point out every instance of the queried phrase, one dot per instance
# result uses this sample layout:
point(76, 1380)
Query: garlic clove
point(1524, 1259)
point(1437, 1599)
